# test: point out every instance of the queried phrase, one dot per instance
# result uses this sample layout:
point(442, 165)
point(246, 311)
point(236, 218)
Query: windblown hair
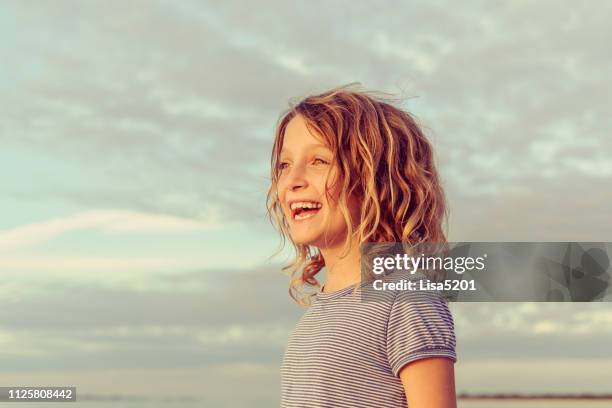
point(383, 159)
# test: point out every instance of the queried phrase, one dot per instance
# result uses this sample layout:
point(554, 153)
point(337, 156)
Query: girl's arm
point(430, 383)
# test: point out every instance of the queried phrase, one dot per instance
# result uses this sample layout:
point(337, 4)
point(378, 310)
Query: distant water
point(535, 404)
point(105, 404)
point(177, 404)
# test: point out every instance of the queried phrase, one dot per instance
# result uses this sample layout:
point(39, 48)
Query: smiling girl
point(350, 168)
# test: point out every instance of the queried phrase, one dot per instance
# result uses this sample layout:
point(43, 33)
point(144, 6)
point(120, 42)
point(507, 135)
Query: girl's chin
point(302, 240)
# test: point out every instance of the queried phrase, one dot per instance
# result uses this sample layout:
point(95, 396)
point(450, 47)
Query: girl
point(350, 168)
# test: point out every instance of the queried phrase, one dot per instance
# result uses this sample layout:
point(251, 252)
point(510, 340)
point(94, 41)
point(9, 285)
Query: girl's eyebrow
point(310, 146)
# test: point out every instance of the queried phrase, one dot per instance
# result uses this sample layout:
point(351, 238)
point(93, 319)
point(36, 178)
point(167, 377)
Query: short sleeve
point(420, 325)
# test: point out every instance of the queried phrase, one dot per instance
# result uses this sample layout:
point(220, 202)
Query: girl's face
point(306, 171)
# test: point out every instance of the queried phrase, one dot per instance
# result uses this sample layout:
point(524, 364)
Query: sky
point(135, 139)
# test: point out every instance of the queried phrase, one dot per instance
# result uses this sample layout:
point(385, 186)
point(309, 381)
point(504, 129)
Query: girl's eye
point(320, 161)
point(282, 166)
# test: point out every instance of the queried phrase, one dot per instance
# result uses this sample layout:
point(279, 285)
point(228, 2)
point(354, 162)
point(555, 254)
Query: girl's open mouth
point(302, 210)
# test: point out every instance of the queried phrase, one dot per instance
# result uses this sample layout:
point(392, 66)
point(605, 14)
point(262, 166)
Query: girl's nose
point(297, 178)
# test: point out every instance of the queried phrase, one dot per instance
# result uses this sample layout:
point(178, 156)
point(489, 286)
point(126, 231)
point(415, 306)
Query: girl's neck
point(342, 269)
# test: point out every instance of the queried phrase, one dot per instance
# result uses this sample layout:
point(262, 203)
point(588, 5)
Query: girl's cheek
point(280, 193)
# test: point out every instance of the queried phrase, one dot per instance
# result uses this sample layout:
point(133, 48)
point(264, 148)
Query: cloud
point(191, 112)
point(63, 266)
point(538, 375)
point(211, 297)
point(111, 221)
point(250, 309)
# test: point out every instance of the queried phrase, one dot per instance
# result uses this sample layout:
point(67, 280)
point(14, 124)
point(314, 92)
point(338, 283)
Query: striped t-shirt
point(348, 348)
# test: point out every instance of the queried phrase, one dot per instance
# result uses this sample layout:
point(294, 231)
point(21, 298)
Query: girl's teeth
point(302, 216)
point(305, 204)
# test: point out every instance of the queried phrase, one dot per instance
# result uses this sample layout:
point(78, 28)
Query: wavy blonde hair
point(383, 158)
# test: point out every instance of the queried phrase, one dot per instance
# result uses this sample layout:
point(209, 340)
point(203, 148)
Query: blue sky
point(134, 148)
